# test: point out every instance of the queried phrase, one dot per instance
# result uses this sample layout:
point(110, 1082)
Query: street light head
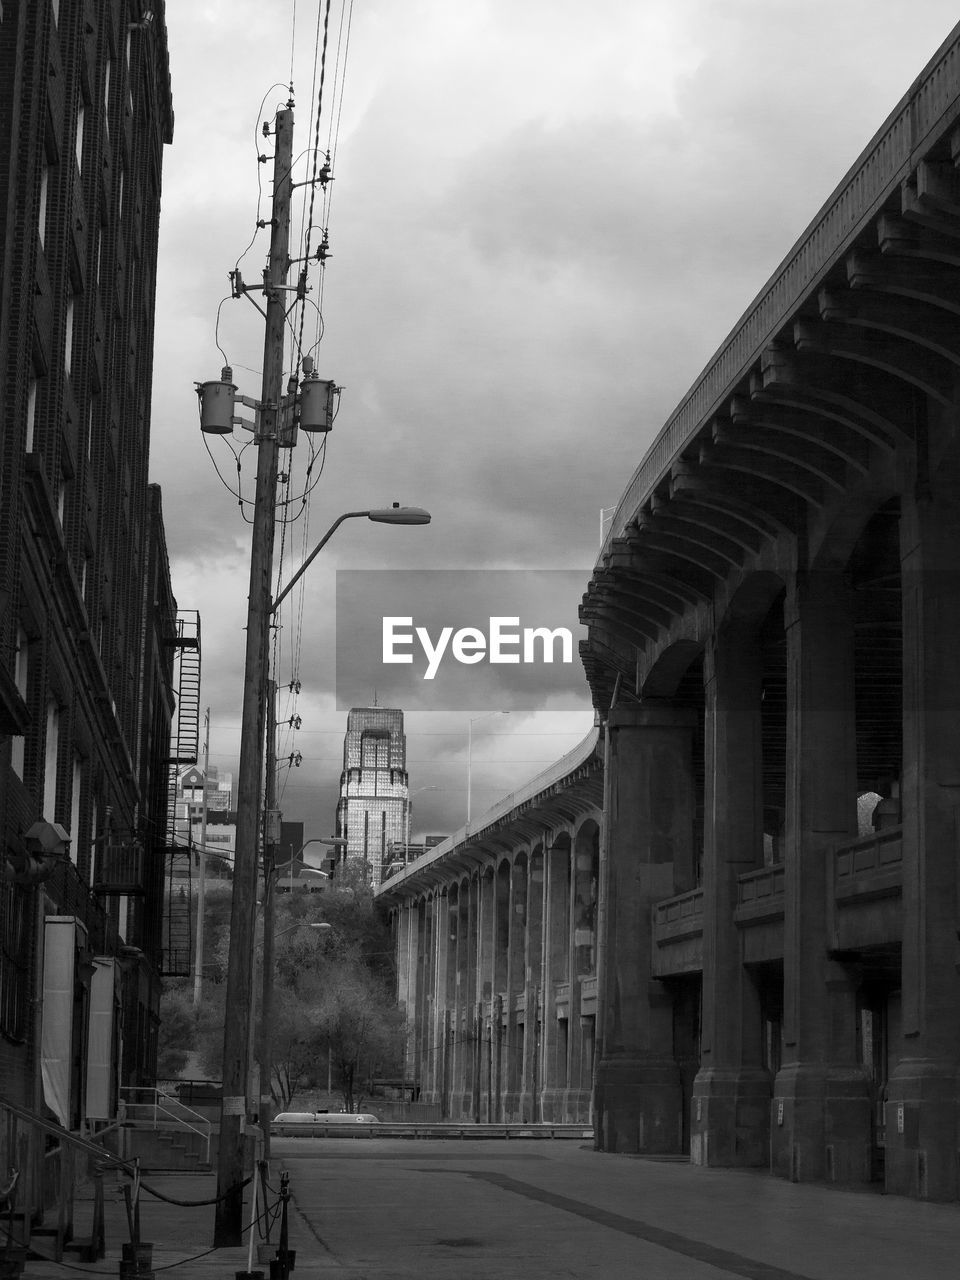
point(399, 515)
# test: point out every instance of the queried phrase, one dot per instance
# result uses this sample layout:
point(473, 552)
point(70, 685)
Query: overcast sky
point(545, 218)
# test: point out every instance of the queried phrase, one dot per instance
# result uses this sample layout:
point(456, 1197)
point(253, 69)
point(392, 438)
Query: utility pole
point(202, 877)
point(228, 1225)
point(271, 838)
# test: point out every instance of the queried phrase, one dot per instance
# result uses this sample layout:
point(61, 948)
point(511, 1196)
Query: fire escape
point(184, 747)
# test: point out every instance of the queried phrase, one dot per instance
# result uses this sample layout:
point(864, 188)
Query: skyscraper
point(374, 795)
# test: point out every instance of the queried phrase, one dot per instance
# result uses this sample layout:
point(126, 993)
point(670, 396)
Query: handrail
point(89, 1145)
point(167, 1098)
point(203, 1129)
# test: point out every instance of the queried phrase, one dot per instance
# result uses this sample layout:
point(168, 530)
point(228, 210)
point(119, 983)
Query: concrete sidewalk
point(180, 1228)
point(395, 1209)
point(542, 1210)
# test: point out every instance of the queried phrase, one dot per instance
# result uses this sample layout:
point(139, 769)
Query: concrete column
point(406, 983)
point(473, 999)
point(514, 1031)
point(450, 1006)
point(424, 974)
point(462, 1021)
point(438, 1022)
point(649, 811)
point(556, 975)
point(922, 1107)
point(430, 977)
point(487, 969)
point(425, 962)
point(464, 1024)
point(729, 1124)
point(581, 942)
point(820, 1115)
point(572, 1073)
point(533, 981)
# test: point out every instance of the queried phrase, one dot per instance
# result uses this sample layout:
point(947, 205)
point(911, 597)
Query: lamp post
point(311, 924)
point(486, 716)
point(228, 1223)
point(382, 515)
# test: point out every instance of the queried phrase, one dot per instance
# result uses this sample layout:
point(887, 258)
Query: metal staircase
point(185, 727)
point(177, 912)
point(184, 749)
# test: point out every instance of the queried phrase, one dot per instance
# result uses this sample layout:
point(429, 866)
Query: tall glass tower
point(374, 794)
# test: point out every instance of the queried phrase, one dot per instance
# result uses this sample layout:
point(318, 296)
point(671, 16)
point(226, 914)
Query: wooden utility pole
point(228, 1225)
point(202, 877)
point(271, 838)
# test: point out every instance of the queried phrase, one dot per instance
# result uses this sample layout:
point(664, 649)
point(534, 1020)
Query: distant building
point(399, 853)
point(213, 797)
point(374, 796)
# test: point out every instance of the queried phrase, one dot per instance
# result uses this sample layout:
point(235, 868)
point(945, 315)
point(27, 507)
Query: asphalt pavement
point(393, 1209)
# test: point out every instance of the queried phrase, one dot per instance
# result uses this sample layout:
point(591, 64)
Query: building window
point(20, 675)
point(14, 961)
point(80, 116)
point(90, 415)
point(31, 413)
point(75, 810)
point(375, 753)
point(68, 335)
point(50, 759)
point(42, 211)
point(94, 854)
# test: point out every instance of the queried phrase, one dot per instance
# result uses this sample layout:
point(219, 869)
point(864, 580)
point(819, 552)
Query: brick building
point(88, 624)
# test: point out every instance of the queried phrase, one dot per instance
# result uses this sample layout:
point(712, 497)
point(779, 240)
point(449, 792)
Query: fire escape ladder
point(184, 750)
point(178, 912)
point(185, 731)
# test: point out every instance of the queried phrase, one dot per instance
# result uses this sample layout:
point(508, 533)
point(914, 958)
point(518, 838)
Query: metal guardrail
point(429, 1129)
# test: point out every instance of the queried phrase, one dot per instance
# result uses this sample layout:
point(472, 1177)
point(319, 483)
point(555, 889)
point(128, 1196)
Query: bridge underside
point(772, 629)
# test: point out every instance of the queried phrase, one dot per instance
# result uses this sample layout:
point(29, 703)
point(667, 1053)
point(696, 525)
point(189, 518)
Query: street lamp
point(382, 515)
point(311, 924)
point(486, 716)
point(260, 612)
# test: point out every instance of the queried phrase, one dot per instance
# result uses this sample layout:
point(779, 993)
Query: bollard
point(136, 1261)
point(284, 1261)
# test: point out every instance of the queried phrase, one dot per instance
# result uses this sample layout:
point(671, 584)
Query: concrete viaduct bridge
point(766, 971)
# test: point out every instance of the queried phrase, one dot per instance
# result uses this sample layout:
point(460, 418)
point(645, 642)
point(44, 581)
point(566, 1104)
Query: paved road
point(387, 1209)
